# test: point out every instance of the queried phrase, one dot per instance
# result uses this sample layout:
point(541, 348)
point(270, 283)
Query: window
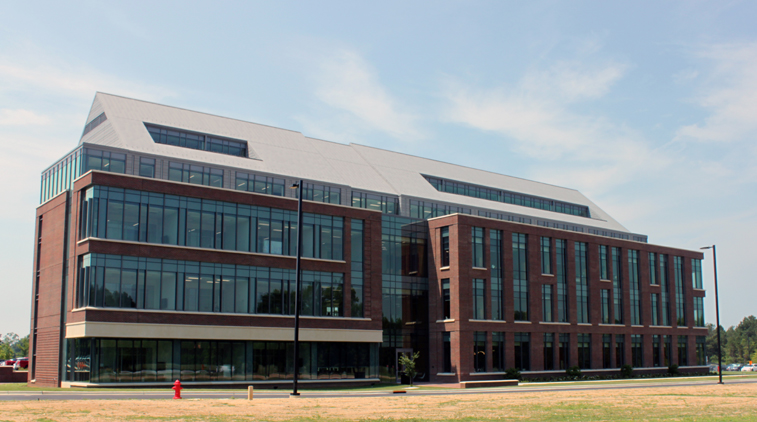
point(546, 302)
point(683, 355)
point(479, 351)
point(522, 351)
point(197, 175)
point(603, 272)
point(561, 263)
point(656, 355)
point(426, 210)
point(582, 283)
point(584, 351)
point(606, 351)
point(666, 348)
point(447, 351)
point(477, 240)
point(699, 312)
point(653, 268)
point(680, 293)
point(492, 194)
point(320, 193)
point(147, 167)
point(701, 350)
point(655, 304)
point(637, 354)
point(385, 204)
point(498, 352)
point(445, 246)
point(199, 141)
point(617, 285)
point(620, 350)
point(356, 257)
point(696, 273)
point(605, 298)
point(446, 299)
point(546, 255)
point(94, 123)
point(479, 298)
point(497, 281)
point(633, 279)
point(563, 358)
point(664, 290)
point(549, 351)
point(114, 213)
point(260, 184)
point(520, 276)
point(115, 281)
point(104, 161)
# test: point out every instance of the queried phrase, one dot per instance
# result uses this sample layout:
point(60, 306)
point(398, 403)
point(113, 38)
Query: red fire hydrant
point(177, 387)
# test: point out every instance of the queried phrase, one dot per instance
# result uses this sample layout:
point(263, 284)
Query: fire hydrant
point(177, 387)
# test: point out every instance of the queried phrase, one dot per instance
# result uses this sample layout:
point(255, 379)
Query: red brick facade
point(460, 273)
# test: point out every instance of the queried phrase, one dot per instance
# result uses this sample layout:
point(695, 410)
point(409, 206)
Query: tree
point(22, 346)
point(408, 365)
point(6, 352)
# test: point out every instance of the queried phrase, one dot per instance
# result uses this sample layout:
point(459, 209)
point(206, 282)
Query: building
point(165, 250)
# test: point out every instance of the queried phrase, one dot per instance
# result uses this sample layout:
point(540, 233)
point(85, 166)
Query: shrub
point(512, 374)
point(626, 371)
point(673, 369)
point(573, 372)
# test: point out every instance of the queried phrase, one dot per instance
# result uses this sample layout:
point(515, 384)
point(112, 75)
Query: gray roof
point(291, 154)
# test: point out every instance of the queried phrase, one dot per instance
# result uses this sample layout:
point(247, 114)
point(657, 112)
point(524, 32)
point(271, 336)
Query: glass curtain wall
point(114, 281)
point(114, 213)
point(100, 360)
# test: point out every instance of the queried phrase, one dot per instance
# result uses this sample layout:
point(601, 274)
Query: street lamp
point(717, 309)
point(297, 186)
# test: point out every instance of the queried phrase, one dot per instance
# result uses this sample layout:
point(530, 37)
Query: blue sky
point(648, 108)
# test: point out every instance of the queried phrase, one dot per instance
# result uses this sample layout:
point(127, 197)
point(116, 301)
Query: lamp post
point(717, 309)
point(297, 186)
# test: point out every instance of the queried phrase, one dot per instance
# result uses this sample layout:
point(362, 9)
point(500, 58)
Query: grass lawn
point(705, 402)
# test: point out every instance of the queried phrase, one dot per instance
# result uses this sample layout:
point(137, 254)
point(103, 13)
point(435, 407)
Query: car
point(734, 367)
point(714, 368)
point(748, 368)
point(9, 362)
point(21, 363)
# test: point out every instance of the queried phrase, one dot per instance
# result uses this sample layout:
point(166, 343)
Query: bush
point(626, 371)
point(673, 369)
point(573, 372)
point(512, 374)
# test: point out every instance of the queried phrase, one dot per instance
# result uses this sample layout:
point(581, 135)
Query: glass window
point(546, 302)
point(582, 282)
point(635, 284)
point(497, 282)
point(478, 246)
point(445, 246)
point(186, 139)
point(498, 352)
point(385, 204)
point(196, 175)
point(584, 351)
point(549, 351)
point(147, 167)
point(479, 298)
point(546, 255)
point(680, 291)
point(617, 286)
point(446, 299)
point(561, 273)
point(479, 351)
point(447, 350)
point(696, 273)
point(520, 276)
point(522, 351)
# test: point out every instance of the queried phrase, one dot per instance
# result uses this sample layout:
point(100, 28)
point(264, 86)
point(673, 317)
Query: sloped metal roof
point(291, 154)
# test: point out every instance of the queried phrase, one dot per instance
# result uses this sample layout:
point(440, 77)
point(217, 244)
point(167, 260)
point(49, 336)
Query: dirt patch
point(732, 402)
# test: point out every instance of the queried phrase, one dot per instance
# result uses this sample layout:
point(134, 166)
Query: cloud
point(20, 117)
point(71, 81)
point(729, 93)
point(346, 82)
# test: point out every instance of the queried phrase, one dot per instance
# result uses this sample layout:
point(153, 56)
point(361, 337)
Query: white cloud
point(71, 81)
point(346, 82)
point(729, 93)
point(20, 117)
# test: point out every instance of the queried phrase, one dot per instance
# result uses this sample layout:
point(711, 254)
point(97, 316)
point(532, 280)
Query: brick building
point(165, 250)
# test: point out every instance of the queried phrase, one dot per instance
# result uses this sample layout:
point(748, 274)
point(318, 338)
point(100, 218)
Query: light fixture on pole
point(717, 309)
point(297, 295)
